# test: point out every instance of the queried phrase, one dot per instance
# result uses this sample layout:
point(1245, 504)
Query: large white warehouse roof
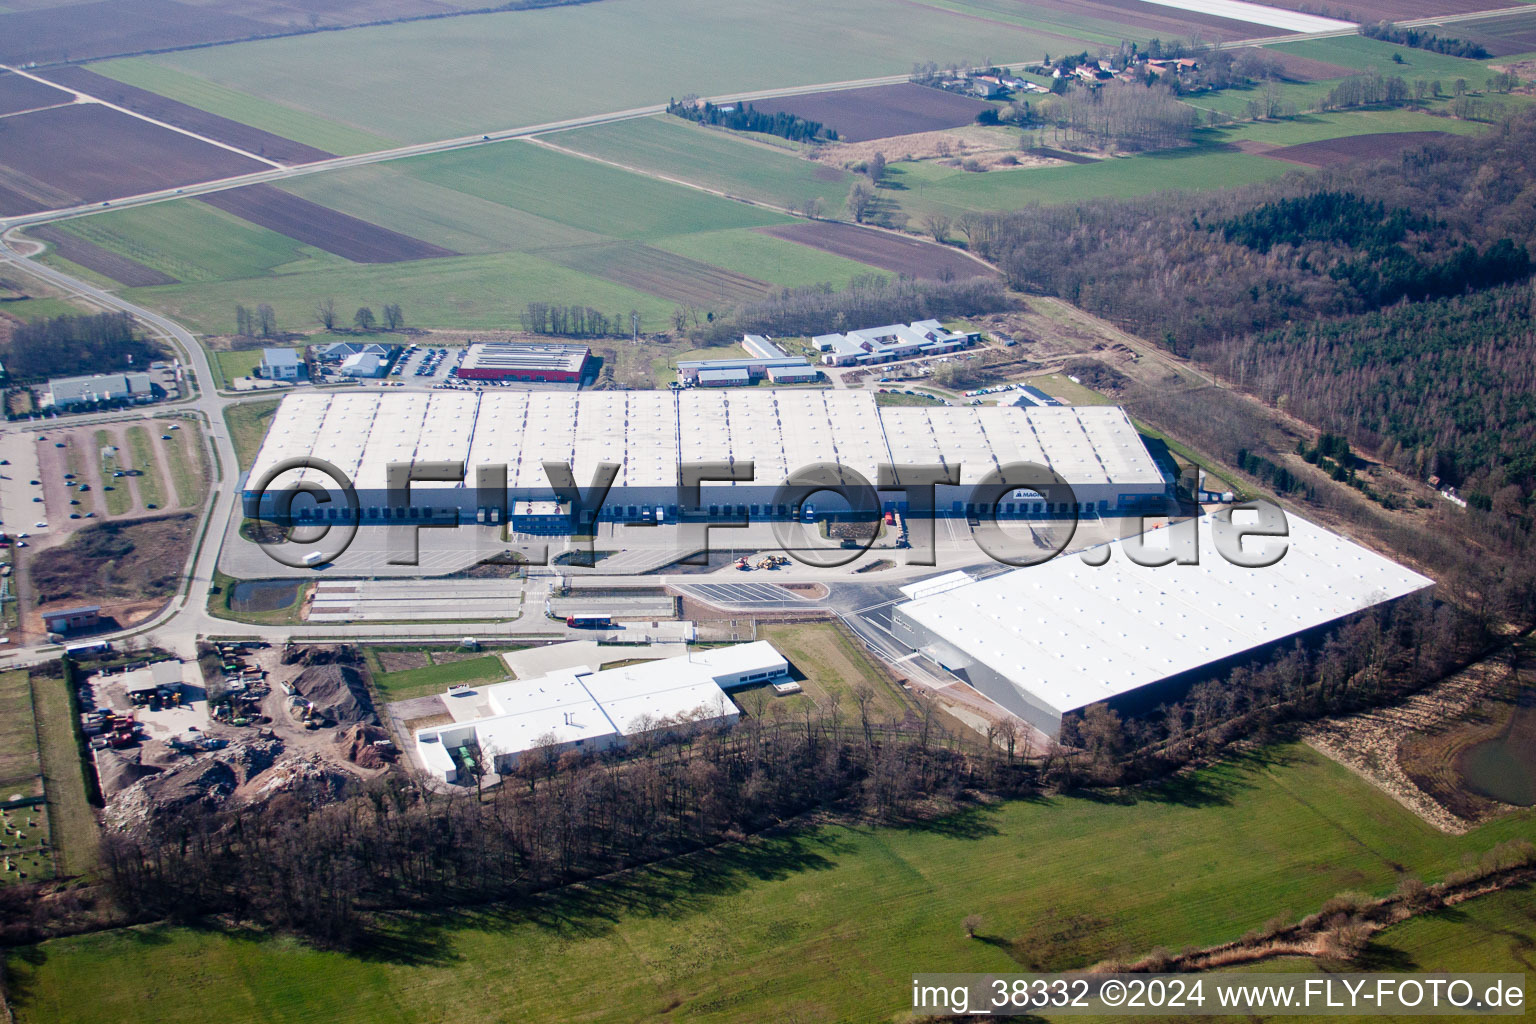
point(648, 433)
point(1068, 634)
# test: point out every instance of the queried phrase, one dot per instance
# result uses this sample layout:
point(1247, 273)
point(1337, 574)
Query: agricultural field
point(881, 111)
point(88, 152)
point(182, 115)
point(18, 93)
point(1503, 36)
point(1107, 22)
point(540, 225)
point(711, 158)
point(766, 257)
point(464, 76)
point(352, 239)
point(81, 31)
point(929, 187)
point(1362, 54)
point(87, 254)
point(825, 924)
point(192, 242)
point(658, 272)
point(243, 108)
point(897, 253)
point(1332, 152)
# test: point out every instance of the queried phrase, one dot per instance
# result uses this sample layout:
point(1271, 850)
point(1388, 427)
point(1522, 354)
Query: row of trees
point(576, 321)
point(364, 319)
point(1419, 39)
point(744, 117)
point(64, 345)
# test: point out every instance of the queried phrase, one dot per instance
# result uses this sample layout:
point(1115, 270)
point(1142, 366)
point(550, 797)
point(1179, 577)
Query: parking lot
point(742, 593)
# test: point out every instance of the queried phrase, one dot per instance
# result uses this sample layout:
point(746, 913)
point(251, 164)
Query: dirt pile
point(207, 781)
point(310, 780)
point(338, 693)
point(358, 746)
point(117, 770)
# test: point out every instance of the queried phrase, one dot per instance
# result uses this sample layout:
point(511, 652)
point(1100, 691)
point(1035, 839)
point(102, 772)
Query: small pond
point(264, 595)
point(1504, 768)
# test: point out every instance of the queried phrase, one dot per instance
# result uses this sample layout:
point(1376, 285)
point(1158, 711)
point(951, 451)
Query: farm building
point(101, 388)
point(887, 344)
point(1051, 639)
point(648, 435)
point(586, 710)
point(544, 364)
point(280, 364)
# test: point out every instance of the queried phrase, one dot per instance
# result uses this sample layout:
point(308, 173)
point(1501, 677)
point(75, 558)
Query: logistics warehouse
point(1051, 639)
point(503, 441)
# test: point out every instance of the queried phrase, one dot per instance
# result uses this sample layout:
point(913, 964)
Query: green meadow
point(821, 924)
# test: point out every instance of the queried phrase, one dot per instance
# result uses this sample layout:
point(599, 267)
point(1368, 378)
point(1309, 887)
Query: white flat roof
point(648, 433)
point(578, 704)
point(1070, 634)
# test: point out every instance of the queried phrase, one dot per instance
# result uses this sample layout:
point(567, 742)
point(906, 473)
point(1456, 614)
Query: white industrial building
point(590, 711)
point(889, 343)
point(1051, 639)
point(649, 434)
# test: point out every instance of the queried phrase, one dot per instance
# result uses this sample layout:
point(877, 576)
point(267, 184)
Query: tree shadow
point(671, 889)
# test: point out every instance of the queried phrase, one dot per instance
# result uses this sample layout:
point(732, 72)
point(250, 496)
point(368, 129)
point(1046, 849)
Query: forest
point(68, 345)
point(1328, 294)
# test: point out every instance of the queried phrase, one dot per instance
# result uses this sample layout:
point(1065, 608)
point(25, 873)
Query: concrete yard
point(443, 600)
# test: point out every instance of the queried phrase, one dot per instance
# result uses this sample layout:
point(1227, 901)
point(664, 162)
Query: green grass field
point(930, 186)
point(1364, 54)
point(389, 196)
point(711, 158)
point(463, 76)
point(420, 682)
point(151, 488)
point(248, 423)
point(246, 108)
point(581, 193)
point(188, 462)
point(119, 499)
point(71, 820)
point(820, 925)
point(19, 771)
point(75, 462)
point(766, 258)
point(465, 292)
point(233, 365)
point(194, 242)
